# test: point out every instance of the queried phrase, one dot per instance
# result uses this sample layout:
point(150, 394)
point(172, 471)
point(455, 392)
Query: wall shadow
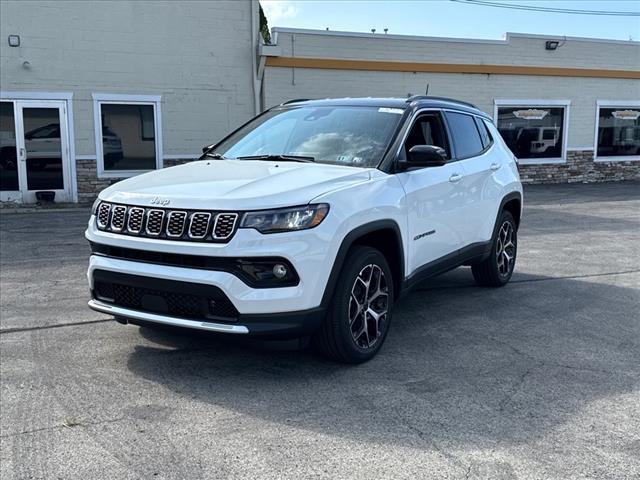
point(462, 365)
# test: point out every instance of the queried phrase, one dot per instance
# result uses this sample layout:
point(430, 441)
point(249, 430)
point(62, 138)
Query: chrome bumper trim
point(153, 317)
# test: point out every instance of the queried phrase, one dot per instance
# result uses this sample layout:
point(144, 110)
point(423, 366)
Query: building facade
point(569, 108)
point(93, 91)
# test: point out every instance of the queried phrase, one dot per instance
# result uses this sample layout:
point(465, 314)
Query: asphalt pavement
point(540, 379)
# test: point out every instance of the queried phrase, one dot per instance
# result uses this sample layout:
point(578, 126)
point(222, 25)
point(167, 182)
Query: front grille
point(178, 299)
point(154, 222)
point(117, 218)
point(136, 215)
point(103, 215)
point(199, 225)
point(225, 224)
point(167, 224)
point(175, 224)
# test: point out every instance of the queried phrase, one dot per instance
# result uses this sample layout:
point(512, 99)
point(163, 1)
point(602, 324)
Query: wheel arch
point(512, 203)
point(383, 235)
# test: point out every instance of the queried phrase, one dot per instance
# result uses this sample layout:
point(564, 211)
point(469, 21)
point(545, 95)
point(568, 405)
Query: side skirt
point(468, 255)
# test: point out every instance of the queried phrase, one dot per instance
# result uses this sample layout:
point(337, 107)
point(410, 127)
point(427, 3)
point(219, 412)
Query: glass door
point(9, 175)
point(35, 151)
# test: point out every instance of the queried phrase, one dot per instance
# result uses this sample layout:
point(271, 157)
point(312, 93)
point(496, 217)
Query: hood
point(234, 184)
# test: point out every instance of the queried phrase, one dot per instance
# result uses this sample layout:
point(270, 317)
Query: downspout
point(255, 41)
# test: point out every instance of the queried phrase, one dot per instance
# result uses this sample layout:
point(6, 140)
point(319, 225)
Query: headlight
point(286, 219)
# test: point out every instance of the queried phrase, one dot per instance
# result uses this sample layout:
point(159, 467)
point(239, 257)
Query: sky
point(445, 18)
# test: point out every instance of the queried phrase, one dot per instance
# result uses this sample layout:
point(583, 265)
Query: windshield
point(354, 136)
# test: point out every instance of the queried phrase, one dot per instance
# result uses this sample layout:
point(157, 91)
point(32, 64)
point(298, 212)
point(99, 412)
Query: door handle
point(22, 154)
point(456, 177)
point(495, 166)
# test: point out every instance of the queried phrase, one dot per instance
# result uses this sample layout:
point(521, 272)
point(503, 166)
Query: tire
point(497, 269)
point(343, 336)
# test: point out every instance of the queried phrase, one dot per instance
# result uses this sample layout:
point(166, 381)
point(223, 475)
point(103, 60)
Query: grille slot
point(117, 218)
point(204, 306)
point(154, 222)
point(199, 225)
point(175, 224)
point(224, 225)
point(134, 221)
point(103, 215)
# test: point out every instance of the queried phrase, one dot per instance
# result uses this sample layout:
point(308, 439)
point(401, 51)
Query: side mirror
point(425, 156)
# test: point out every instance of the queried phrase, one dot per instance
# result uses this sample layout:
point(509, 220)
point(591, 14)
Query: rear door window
point(466, 137)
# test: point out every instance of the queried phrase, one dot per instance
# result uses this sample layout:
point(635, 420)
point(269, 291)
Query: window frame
point(612, 104)
point(123, 99)
point(549, 103)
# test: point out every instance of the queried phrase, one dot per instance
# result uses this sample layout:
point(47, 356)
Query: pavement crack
point(62, 426)
point(514, 390)
point(531, 280)
point(49, 327)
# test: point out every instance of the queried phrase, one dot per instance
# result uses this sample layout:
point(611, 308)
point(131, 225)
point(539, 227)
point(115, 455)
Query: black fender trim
point(347, 243)
point(506, 199)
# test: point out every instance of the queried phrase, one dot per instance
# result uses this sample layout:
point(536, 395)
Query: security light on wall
point(551, 44)
point(14, 40)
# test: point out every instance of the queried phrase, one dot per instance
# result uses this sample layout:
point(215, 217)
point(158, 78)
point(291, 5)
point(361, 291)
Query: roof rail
point(444, 99)
point(295, 100)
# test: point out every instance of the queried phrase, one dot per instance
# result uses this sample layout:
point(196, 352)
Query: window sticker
point(531, 114)
point(626, 114)
point(397, 111)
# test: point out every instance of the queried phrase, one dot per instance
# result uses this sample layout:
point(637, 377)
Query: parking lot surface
point(540, 379)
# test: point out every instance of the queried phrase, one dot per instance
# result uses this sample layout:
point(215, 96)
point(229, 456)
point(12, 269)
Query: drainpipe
point(255, 42)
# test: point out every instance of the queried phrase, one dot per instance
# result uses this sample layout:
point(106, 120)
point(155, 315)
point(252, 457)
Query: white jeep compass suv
point(312, 219)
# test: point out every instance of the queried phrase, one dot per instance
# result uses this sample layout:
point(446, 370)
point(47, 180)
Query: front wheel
point(497, 269)
point(358, 320)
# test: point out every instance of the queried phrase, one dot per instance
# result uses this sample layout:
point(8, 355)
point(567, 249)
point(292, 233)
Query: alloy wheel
point(368, 306)
point(506, 249)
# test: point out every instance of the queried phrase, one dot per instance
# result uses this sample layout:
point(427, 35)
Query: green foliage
point(264, 27)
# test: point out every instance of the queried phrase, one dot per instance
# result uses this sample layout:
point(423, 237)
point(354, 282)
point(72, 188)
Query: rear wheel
point(497, 269)
point(358, 320)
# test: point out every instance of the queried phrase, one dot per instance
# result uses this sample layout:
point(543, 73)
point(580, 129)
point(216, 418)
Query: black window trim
point(481, 152)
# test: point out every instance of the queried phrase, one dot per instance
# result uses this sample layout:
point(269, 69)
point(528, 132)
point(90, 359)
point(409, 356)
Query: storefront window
point(533, 132)
point(618, 131)
point(128, 134)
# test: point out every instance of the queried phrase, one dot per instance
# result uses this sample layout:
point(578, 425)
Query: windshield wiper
point(216, 156)
point(284, 158)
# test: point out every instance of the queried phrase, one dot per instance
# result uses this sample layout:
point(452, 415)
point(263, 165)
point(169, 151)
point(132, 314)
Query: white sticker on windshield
point(391, 110)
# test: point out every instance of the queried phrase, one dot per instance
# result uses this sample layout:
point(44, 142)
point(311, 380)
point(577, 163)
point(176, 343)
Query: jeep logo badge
point(160, 201)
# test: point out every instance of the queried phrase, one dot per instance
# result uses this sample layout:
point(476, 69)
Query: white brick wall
point(282, 84)
point(196, 54)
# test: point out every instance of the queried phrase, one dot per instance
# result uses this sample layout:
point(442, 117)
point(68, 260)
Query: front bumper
point(280, 325)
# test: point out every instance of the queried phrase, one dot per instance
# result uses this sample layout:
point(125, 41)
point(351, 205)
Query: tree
point(264, 26)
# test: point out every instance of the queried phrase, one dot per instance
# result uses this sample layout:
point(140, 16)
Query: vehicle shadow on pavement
point(461, 365)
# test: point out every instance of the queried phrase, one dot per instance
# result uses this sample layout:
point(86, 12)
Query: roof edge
point(505, 41)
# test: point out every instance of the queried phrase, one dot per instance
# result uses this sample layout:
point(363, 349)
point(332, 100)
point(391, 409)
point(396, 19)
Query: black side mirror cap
point(424, 156)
